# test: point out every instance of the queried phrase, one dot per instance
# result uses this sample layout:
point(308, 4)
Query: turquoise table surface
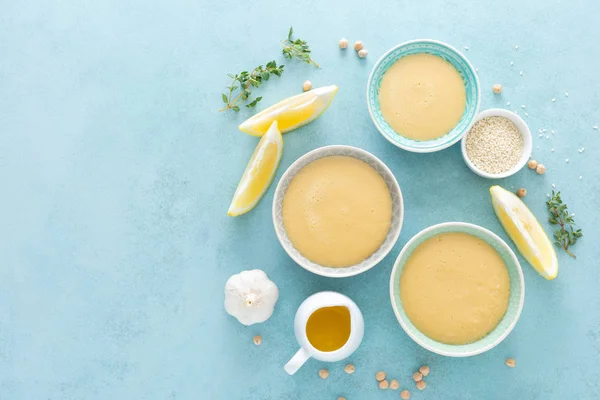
point(117, 172)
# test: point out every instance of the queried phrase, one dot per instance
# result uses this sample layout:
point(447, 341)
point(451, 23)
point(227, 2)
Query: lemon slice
point(525, 231)
point(291, 113)
point(259, 173)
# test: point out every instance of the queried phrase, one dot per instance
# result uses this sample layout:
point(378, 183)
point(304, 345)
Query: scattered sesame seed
point(523, 106)
point(553, 132)
point(552, 150)
point(516, 47)
point(567, 94)
point(527, 115)
point(580, 177)
point(512, 63)
point(477, 70)
point(566, 160)
point(553, 186)
point(467, 48)
point(521, 73)
point(548, 195)
point(572, 214)
point(516, 112)
point(595, 127)
point(553, 100)
point(539, 130)
point(543, 130)
point(508, 103)
point(494, 144)
point(547, 137)
point(581, 150)
point(541, 134)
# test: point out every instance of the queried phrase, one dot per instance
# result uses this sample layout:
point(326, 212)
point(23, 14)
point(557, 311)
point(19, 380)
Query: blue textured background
point(117, 172)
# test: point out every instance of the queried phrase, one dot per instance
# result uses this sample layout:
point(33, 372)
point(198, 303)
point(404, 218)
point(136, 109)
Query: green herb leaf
point(566, 235)
point(244, 81)
point(298, 49)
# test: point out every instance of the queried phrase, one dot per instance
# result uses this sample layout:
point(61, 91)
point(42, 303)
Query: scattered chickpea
point(358, 45)
point(405, 395)
point(257, 340)
point(394, 384)
point(497, 88)
point(306, 86)
point(424, 370)
point(511, 362)
point(417, 376)
point(341, 398)
point(384, 384)
point(362, 53)
point(380, 376)
point(541, 169)
point(522, 192)
point(532, 164)
point(323, 373)
point(421, 385)
point(349, 368)
point(343, 43)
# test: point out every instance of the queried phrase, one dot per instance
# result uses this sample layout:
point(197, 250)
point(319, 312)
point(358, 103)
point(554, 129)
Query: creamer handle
point(297, 361)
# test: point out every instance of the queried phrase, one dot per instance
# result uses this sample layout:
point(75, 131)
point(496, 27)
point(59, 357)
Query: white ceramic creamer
point(312, 304)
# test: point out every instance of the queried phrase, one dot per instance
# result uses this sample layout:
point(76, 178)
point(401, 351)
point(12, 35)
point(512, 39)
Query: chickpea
point(349, 368)
point(358, 45)
point(497, 88)
point(532, 164)
point(380, 376)
point(257, 340)
point(421, 385)
point(522, 192)
point(384, 384)
point(405, 395)
point(511, 362)
point(424, 370)
point(394, 384)
point(306, 86)
point(343, 43)
point(323, 373)
point(362, 53)
point(417, 376)
point(341, 398)
point(541, 169)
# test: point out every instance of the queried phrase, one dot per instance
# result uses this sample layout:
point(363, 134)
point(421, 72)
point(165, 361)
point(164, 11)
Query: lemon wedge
point(291, 113)
point(259, 173)
point(525, 231)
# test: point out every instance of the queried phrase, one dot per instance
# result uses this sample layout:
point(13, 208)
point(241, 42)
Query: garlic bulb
point(250, 296)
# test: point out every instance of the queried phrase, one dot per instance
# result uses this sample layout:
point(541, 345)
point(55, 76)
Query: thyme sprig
point(245, 81)
point(565, 236)
point(297, 49)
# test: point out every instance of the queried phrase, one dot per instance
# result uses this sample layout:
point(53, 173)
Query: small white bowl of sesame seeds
point(498, 144)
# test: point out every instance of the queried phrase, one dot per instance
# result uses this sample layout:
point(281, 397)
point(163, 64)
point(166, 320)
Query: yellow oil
point(328, 328)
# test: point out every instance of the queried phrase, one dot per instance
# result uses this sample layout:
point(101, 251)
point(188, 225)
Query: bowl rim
point(450, 142)
point(433, 349)
point(343, 272)
point(525, 133)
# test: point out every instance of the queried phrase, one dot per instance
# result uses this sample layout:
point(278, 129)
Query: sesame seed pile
point(494, 145)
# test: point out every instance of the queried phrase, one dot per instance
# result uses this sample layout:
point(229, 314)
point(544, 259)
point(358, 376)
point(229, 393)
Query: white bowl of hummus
point(338, 211)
